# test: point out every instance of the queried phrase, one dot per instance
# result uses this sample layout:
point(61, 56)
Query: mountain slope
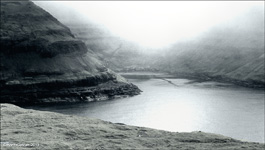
point(232, 51)
point(115, 52)
point(42, 61)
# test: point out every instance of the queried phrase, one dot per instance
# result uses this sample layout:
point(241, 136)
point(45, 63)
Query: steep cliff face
point(42, 61)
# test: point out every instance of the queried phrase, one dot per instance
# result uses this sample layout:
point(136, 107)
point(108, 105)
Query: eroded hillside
point(42, 61)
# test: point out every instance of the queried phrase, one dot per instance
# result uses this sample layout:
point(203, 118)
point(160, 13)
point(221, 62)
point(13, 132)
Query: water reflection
point(210, 107)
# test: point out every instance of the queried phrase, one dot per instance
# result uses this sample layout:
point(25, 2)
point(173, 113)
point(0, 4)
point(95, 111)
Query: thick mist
point(148, 72)
point(153, 25)
point(228, 42)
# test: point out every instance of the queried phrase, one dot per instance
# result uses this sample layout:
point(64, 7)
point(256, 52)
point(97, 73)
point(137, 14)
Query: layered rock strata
point(42, 61)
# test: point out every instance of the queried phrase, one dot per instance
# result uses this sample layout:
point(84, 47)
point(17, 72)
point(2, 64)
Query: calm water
point(182, 106)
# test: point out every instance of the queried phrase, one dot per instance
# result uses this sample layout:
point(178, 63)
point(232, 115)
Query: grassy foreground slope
point(48, 130)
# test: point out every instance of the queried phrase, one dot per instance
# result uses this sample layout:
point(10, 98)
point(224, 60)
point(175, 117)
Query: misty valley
point(116, 75)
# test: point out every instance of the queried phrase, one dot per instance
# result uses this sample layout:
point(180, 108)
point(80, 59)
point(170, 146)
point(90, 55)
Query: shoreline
point(49, 130)
point(196, 77)
point(67, 91)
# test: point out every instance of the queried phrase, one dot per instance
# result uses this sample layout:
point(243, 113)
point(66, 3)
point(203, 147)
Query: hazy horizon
point(151, 24)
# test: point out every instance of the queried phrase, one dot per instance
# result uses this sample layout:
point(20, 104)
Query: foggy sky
point(154, 24)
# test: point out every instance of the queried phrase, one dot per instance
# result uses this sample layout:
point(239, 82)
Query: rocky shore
point(88, 88)
point(104, 91)
point(31, 129)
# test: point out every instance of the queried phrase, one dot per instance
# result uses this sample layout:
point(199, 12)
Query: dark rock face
point(41, 60)
point(27, 28)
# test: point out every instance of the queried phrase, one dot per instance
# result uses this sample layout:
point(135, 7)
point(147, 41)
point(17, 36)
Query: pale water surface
point(182, 106)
